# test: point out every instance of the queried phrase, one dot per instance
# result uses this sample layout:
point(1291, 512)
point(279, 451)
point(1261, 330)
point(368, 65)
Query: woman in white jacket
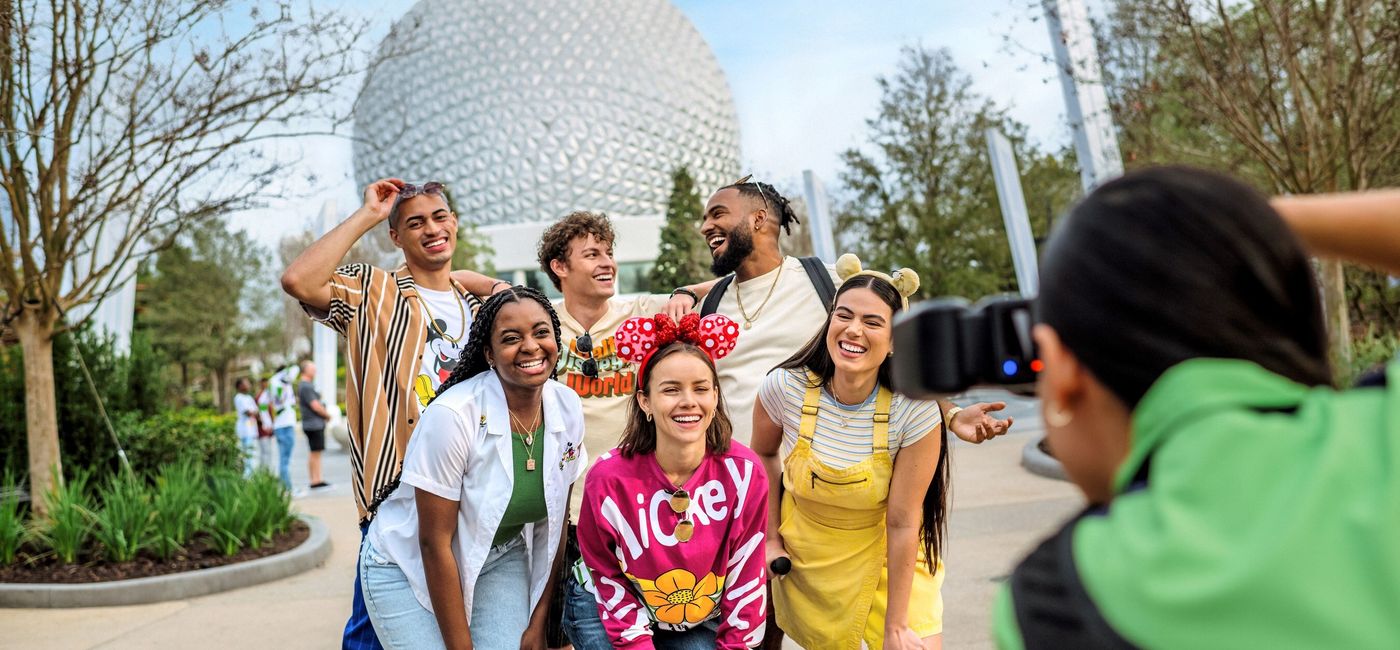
point(479, 508)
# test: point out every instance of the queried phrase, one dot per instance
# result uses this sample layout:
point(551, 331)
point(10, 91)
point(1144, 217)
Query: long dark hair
point(814, 362)
point(473, 359)
point(639, 435)
point(1173, 263)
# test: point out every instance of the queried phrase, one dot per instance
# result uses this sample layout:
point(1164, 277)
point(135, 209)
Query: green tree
point(926, 196)
point(198, 303)
point(682, 258)
point(1297, 97)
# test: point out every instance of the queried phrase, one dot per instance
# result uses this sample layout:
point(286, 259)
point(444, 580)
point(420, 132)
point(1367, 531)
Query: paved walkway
point(999, 512)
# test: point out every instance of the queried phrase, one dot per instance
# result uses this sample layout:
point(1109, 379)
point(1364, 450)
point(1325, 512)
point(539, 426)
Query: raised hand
point(380, 195)
point(974, 424)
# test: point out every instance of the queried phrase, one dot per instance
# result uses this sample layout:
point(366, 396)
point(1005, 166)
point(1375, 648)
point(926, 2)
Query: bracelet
point(950, 416)
point(687, 292)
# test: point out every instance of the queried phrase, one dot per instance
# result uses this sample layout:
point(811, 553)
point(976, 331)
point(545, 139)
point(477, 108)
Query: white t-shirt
point(440, 354)
point(605, 397)
point(461, 451)
point(247, 425)
point(282, 386)
point(844, 431)
point(791, 317)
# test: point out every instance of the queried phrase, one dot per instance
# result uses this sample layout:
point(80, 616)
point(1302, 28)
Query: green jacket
point(1252, 512)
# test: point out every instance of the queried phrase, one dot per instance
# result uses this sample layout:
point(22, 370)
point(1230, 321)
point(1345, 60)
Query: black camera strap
point(816, 272)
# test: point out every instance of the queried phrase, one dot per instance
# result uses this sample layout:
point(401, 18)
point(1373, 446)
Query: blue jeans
point(500, 609)
point(359, 631)
point(286, 440)
point(585, 628)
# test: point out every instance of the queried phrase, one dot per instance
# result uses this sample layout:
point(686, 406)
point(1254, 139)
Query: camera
point(946, 346)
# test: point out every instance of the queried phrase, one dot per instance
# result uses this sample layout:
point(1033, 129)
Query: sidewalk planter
point(1040, 463)
point(176, 586)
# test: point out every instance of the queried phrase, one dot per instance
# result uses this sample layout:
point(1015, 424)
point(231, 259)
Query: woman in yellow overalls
point(865, 475)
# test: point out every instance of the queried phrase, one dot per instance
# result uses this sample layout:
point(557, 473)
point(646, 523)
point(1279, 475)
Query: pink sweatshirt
point(643, 576)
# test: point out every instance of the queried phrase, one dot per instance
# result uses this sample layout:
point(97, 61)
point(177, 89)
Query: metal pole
point(1086, 101)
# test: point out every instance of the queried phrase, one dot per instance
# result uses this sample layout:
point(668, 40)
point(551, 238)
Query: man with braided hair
point(781, 302)
point(385, 317)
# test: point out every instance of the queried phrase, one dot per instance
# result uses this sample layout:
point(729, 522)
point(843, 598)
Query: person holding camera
point(1235, 498)
point(863, 504)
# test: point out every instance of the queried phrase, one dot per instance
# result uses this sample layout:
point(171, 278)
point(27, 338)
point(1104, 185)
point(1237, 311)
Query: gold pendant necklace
point(527, 437)
point(462, 314)
point(739, 298)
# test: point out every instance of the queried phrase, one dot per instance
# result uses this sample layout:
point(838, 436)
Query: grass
point(124, 525)
point(180, 499)
point(68, 526)
point(12, 530)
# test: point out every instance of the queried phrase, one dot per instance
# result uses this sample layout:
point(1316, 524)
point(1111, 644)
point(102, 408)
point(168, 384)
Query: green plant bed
point(183, 518)
point(34, 566)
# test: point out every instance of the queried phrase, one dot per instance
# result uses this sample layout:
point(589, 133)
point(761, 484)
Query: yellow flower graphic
point(677, 598)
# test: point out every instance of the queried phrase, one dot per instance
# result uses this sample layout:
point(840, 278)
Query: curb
point(1037, 462)
point(177, 586)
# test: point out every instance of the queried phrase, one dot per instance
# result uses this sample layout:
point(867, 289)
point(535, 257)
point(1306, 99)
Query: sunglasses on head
point(584, 345)
point(408, 191)
point(748, 180)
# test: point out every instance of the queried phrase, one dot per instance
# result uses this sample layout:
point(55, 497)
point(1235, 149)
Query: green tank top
point(527, 495)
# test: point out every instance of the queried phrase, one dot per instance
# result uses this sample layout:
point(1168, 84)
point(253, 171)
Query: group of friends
point(729, 463)
point(267, 421)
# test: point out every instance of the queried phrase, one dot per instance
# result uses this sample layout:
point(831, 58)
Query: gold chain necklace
point(462, 314)
point(739, 297)
point(527, 437)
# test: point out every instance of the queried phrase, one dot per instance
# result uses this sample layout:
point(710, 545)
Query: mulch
point(199, 555)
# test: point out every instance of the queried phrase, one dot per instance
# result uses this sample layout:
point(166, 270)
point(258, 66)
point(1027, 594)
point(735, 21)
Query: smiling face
point(728, 229)
point(859, 337)
point(589, 269)
point(522, 346)
point(681, 396)
point(426, 231)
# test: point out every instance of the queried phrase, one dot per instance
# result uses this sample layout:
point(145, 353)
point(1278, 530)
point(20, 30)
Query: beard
point(738, 246)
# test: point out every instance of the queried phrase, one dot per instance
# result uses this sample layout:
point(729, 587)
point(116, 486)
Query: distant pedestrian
point(266, 444)
point(313, 422)
point(247, 427)
point(282, 403)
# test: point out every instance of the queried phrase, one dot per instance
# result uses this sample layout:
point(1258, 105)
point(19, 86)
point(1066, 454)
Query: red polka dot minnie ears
point(639, 337)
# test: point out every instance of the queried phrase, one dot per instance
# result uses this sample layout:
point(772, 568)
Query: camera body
point(946, 346)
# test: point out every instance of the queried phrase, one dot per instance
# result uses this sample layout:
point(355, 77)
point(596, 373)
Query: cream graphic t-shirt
point(791, 317)
point(605, 397)
point(443, 310)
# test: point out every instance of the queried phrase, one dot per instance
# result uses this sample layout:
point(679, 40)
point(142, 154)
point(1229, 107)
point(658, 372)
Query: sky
point(803, 77)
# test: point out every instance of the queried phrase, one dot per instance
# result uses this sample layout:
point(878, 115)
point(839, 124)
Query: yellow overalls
point(833, 525)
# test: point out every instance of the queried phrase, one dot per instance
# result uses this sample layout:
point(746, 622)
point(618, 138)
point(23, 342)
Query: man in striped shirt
point(387, 319)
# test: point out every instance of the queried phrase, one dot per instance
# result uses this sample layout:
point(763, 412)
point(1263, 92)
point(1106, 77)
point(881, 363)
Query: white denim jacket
point(461, 450)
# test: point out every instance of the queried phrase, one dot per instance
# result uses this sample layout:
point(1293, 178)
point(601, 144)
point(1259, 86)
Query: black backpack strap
point(821, 280)
point(711, 303)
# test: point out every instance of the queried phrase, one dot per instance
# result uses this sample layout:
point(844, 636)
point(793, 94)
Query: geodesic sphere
point(530, 109)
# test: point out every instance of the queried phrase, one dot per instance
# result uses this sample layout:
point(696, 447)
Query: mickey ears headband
point(639, 337)
point(905, 280)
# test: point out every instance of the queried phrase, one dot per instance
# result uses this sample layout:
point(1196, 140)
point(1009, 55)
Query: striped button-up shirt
point(379, 314)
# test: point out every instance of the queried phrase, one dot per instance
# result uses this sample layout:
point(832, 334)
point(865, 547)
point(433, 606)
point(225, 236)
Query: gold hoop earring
point(648, 415)
point(1058, 418)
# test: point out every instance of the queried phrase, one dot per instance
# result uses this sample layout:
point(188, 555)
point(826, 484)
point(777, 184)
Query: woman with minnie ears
point(672, 525)
point(862, 504)
point(465, 547)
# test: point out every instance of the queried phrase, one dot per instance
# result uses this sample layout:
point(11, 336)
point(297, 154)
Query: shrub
point(69, 523)
point(124, 523)
point(202, 437)
point(231, 513)
point(272, 508)
point(180, 500)
point(133, 383)
point(11, 519)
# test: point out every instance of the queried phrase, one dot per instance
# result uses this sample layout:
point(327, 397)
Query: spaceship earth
point(530, 109)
